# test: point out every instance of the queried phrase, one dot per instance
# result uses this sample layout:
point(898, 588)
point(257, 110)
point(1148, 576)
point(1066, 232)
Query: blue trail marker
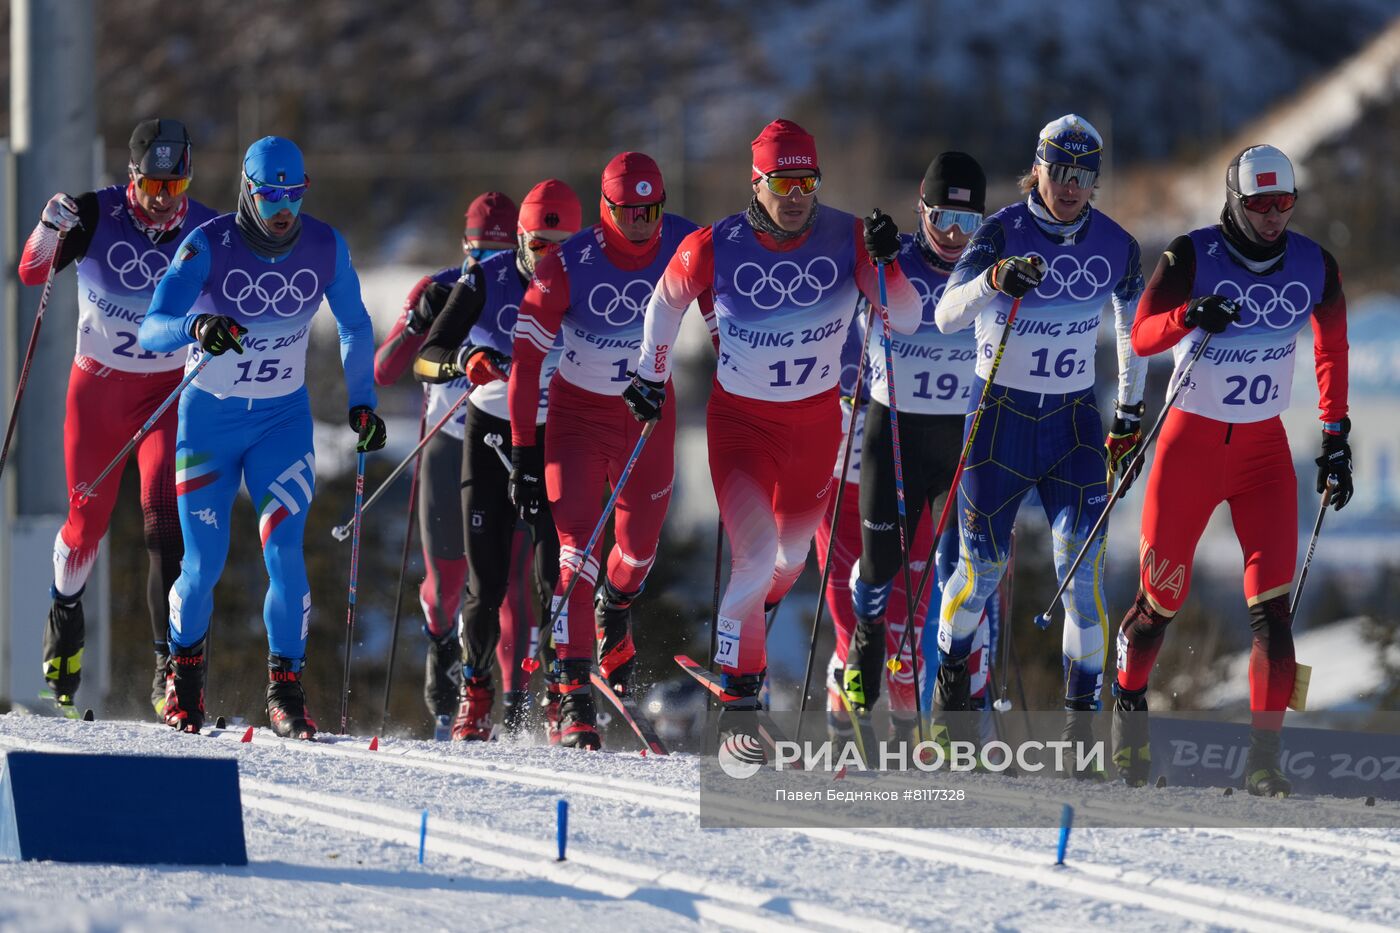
point(1066, 821)
point(563, 827)
point(423, 836)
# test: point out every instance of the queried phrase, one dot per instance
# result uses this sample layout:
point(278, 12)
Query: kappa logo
point(272, 291)
point(586, 256)
point(735, 232)
point(1064, 275)
point(1261, 303)
point(137, 271)
point(786, 283)
point(620, 307)
point(207, 516)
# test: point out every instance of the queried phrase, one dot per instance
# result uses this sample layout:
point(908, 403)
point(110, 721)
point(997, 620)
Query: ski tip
point(1161, 780)
point(1370, 801)
point(247, 736)
point(374, 744)
point(644, 753)
point(88, 715)
point(220, 723)
point(1229, 792)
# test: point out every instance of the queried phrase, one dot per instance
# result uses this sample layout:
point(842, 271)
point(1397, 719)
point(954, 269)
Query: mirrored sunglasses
point(174, 187)
point(1263, 203)
point(1062, 174)
point(805, 185)
point(945, 220)
point(635, 212)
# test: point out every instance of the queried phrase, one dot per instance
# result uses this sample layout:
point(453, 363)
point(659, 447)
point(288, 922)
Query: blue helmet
point(274, 160)
point(1070, 140)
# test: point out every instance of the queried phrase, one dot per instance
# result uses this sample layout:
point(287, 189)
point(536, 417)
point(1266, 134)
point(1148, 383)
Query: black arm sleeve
point(435, 361)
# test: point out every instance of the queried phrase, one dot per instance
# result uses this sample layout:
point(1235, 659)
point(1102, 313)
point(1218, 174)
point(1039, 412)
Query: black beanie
point(161, 148)
point(955, 180)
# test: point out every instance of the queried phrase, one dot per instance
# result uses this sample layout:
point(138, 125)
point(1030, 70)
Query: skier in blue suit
point(251, 282)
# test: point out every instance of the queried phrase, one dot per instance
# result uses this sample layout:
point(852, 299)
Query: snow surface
point(332, 832)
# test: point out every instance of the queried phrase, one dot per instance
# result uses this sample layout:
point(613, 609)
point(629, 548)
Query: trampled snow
point(332, 833)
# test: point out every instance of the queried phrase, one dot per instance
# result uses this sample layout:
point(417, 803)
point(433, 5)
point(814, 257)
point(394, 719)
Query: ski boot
point(736, 718)
point(286, 700)
point(577, 726)
point(863, 675)
point(1079, 731)
point(158, 681)
point(1263, 776)
point(952, 694)
point(442, 675)
point(183, 707)
point(1131, 752)
point(473, 722)
point(612, 614)
point(63, 650)
point(515, 712)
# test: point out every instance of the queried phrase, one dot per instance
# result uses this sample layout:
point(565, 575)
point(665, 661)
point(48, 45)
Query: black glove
point(1211, 313)
point(429, 305)
point(1334, 466)
point(644, 398)
point(527, 481)
point(217, 334)
point(881, 237)
point(1017, 276)
point(370, 427)
point(1122, 443)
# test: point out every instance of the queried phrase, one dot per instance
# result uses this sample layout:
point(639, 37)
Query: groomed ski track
point(333, 837)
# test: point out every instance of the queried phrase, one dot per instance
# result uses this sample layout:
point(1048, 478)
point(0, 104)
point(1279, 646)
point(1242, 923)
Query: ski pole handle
point(494, 441)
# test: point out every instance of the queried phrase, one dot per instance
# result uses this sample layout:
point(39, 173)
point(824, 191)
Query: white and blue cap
point(274, 160)
point(1070, 140)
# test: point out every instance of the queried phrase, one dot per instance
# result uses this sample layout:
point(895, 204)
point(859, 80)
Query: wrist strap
point(1131, 411)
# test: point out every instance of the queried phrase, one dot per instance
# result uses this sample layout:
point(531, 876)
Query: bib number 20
point(1254, 391)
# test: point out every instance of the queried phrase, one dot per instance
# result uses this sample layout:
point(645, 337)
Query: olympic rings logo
point(786, 282)
point(928, 298)
point(284, 296)
point(137, 271)
point(505, 320)
point(1065, 275)
point(627, 304)
point(1261, 303)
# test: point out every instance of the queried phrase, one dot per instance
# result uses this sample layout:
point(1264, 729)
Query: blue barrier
point(120, 809)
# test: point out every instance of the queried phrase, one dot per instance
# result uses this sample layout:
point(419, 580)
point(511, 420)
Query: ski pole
point(494, 441)
point(29, 353)
point(966, 450)
point(354, 574)
point(562, 604)
point(1312, 546)
point(341, 532)
point(1043, 619)
point(1002, 703)
point(83, 492)
point(710, 698)
point(835, 516)
point(403, 571)
point(894, 663)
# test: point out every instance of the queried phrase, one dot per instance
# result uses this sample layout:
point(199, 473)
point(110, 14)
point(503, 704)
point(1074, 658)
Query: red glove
point(482, 365)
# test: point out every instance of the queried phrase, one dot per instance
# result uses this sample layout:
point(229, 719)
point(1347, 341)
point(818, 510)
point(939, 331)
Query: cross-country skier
point(250, 282)
point(489, 229)
point(1251, 285)
point(471, 342)
point(594, 291)
point(122, 239)
point(785, 275)
point(1041, 428)
point(933, 391)
point(845, 555)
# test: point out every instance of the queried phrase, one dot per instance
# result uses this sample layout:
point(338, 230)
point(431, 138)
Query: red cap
point(491, 219)
point(551, 205)
point(782, 146)
point(633, 178)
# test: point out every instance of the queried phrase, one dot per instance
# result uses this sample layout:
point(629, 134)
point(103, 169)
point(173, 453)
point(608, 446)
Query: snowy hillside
point(332, 831)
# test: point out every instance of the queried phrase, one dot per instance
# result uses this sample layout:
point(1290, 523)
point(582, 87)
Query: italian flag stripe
point(183, 486)
point(272, 515)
